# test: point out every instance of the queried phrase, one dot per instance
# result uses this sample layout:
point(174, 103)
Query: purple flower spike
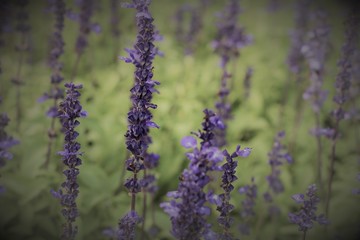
point(187, 210)
point(248, 204)
point(69, 111)
point(306, 217)
point(127, 226)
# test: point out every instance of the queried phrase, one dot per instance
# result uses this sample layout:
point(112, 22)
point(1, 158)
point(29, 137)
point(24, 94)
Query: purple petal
point(188, 142)
point(298, 198)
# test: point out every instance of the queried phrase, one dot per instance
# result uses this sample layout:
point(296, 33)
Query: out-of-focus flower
point(248, 204)
point(306, 217)
point(277, 157)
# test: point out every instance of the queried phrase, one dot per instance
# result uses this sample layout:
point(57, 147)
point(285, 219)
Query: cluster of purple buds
point(56, 93)
point(69, 111)
point(315, 51)
point(228, 177)
point(306, 217)
point(6, 142)
point(248, 204)
point(230, 37)
point(277, 157)
point(187, 209)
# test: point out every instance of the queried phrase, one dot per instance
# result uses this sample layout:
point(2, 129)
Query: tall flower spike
point(248, 204)
point(277, 157)
point(23, 28)
point(342, 86)
point(6, 142)
point(56, 93)
point(229, 39)
point(315, 51)
point(228, 177)
point(306, 217)
point(186, 209)
point(189, 38)
point(69, 111)
point(139, 116)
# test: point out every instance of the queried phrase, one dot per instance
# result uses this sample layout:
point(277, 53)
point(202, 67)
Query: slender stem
point(304, 235)
point(144, 208)
point(133, 194)
point(331, 169)
point(284, 100)
point(52, 135)
point(298, 118)
point(319, 153)
point(22, 48)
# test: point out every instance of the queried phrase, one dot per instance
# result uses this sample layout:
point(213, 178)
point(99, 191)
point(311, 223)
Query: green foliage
point(188, 85)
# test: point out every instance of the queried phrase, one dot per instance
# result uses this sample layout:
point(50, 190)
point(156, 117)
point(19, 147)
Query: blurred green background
point(189, 83)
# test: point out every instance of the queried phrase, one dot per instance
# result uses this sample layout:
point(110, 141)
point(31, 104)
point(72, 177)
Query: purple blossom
point(86, 11)
point(127, 226)
point(230, 37)
point(187, 208)
point(57, 44)
point(315, 51)
point(139, 116)
point(69, 111)
point(306, 217)
point(277, 157)
point(228, 177)
point(343, 79)
point(248, 204)
point(189, 38)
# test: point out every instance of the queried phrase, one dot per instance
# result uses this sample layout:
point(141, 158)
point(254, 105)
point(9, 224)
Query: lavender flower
point(187, 209)
point(248, 204)
point(230, 38)
point(56, 93)
point(127, 226)
point(69, 111)
point(139, 116)
point(342, 85)
point(306, 217)
point(277, 157)
point(228, 177)
point(85, 16)
point(6, 142)
point(189, 38)
point(23, 28)
point(315, 51)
